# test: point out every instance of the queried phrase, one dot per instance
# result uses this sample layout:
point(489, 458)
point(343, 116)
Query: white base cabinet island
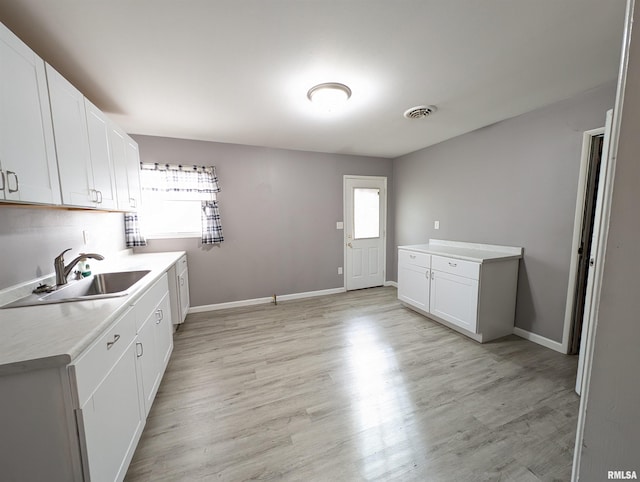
point(468, 287)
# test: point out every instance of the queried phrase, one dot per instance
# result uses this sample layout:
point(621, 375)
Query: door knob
point(349, 244)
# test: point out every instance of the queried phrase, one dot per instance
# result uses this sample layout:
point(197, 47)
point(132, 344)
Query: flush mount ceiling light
point(420, 111)
point(329, 96)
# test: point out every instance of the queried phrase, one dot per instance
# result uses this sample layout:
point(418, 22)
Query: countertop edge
point(496, 254)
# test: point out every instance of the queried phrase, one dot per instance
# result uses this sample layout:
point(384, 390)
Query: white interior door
point(365, 206)
point(601, 216)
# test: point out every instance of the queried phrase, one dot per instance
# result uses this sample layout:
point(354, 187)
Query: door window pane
point(366, 213)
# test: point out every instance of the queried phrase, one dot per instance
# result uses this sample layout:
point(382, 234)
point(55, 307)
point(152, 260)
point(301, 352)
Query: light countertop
point(35, 337)
point(479, 253)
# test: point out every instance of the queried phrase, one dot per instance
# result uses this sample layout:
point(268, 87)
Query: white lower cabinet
point(111, 422)
point(179, 290)
point(454, 299)
point(477, 299)
point(153, 348)
point(414, 279)
point(116, 380)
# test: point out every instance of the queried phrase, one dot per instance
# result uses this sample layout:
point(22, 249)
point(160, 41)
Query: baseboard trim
point(391, 283)
point(540, 340)
point(266, 300)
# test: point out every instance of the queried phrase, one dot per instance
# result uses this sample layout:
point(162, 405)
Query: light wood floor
point(354, 387)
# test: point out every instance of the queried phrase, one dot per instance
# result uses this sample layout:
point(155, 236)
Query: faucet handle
point(61, 255)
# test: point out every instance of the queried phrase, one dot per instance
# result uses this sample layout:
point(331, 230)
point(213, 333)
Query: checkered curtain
point(188, 183)
point(211, 227)
point(132, 233)
point(180, 182)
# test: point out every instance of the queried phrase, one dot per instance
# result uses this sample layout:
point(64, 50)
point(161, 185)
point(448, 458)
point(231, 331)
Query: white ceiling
point(238, 70)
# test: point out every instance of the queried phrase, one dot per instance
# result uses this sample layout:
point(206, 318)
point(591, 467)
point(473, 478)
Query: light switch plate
point(436, 225)
point(339, 225)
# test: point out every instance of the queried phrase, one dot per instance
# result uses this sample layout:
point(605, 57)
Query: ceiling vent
point(420, 111)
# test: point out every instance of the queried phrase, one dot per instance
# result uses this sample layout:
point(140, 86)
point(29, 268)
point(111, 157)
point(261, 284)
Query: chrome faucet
point(63, 271)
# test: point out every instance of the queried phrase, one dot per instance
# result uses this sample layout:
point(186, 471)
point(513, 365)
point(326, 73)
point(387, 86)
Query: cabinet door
point(413, 285)
point(101, 162)
point(164, 333)
point(72, 141)
point(154, 347)
point(118, 149)
point(454, 299)
point(111, 422)
point(133, 174)
point(27, 151)
point(183, 285)
point(148, 365)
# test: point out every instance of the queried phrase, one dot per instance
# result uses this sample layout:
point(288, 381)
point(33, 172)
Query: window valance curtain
point(185, 183)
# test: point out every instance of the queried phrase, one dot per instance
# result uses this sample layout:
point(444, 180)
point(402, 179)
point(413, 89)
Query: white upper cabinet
point(133, 174)
point(72, 141)
point(126, 161)
point(118, 148)
point(28, 171)
point(101, 162)
point(85, 157)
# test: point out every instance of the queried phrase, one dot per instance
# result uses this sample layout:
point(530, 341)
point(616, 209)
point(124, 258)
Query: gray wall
point(512, 183)
point(31, 237)
point(612, 428)
point(279, 210)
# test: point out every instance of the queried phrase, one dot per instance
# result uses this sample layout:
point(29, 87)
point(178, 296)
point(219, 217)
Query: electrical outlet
point(339, 225)
point(436, 225)
point(339, 269)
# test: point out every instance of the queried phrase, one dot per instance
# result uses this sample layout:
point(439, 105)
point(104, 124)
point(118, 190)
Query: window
point(366, 213)
point(170, 218)
point(180, 201)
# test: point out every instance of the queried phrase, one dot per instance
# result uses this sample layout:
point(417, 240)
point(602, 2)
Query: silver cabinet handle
point(412, 256)
point(15, 176)
point(426, 274)
point(159, 316)
point(111, 343)
point(181, 281)
point(99, 197)
point(93, 195)
point(453, 265)
point(133, 203)
point(433, 276)
point(138, 344)
point(2, 178)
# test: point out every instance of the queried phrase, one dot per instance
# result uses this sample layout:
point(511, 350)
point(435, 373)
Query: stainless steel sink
point(103, 285)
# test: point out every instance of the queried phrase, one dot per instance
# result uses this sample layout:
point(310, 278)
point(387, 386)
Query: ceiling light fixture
point(329, 96)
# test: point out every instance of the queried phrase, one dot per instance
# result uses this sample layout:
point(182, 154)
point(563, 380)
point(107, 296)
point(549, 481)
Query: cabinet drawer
point(96, 362)
point(413, 258)
point(150, 300)
point(468, 269)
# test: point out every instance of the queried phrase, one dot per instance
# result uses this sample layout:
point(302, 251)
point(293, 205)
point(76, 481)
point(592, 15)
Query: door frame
point(344, 219)
point(604, 232)
point(587, 139)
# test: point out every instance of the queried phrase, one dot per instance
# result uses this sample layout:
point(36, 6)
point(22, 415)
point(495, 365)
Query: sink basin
point(103, 285)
